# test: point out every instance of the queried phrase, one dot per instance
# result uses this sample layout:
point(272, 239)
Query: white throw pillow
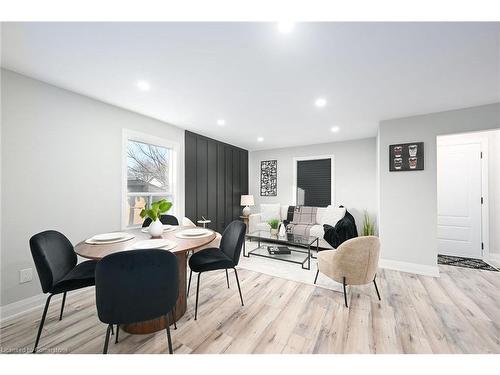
point(269, 211)
point(331, 215)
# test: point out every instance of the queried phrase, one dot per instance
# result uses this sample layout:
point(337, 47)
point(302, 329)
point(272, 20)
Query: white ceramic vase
point(156, 228)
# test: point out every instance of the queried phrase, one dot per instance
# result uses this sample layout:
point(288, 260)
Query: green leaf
point(165, 206)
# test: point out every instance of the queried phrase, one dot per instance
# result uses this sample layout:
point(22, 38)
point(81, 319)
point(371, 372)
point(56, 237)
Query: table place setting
point(109, 238)
point(166, 228)
point(194, 233)
point(157, 243)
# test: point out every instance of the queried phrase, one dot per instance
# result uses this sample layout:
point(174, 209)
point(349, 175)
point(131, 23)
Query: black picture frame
point(268, 178)
point(406, 157)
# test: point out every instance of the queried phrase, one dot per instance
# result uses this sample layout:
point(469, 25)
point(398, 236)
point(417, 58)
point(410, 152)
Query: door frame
point(482, 140)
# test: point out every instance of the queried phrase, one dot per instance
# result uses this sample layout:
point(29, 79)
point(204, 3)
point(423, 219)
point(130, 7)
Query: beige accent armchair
point(355, 262)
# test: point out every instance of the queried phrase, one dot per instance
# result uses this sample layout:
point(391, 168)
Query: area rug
point(285, 270)
point(477, 264)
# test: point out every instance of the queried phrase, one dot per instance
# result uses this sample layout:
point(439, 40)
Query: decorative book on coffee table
point(278, 250)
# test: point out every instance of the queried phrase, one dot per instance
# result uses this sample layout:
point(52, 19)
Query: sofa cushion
point(283, 212)
point(317, 231)
point(330, 215)
point(270, 211)
point(263, 226)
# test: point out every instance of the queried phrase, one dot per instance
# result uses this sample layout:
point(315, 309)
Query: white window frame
point(316, 157)
point(132, 135)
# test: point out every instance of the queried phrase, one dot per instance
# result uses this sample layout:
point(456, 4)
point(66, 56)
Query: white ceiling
point(262, 82)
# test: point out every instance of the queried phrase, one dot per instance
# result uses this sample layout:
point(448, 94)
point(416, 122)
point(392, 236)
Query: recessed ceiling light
point(143, 85)
point(320, 102)
point(260, 139)
point(221, 122)
point(335, 129)
point(286, 27)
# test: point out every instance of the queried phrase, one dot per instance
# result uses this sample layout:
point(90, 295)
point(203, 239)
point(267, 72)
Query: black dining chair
point(165, 220)
point(135, 286)
point(226, 256)
point(57, 268)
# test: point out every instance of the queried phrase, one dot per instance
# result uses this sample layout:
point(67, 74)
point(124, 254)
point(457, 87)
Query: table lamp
point(247, 200)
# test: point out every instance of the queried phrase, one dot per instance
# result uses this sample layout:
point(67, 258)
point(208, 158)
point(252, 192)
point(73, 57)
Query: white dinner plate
point(195, 232)
point(159, 243)
point(166, 228)
point(104, 237)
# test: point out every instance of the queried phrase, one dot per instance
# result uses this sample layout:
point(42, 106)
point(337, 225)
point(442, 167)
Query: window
point(150, 177)
point(314, 181)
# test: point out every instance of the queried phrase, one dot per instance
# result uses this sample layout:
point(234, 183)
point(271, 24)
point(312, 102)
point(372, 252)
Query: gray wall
point(408, 200)
point(354, 180)
point(61, 169)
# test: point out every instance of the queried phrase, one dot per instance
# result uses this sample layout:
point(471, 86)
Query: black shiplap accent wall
point(216, 177)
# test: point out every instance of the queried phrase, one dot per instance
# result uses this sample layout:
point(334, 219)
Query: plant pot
point(155, 229)
point(274, 232)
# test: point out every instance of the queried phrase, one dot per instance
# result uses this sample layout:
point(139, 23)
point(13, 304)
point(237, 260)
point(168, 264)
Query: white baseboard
point(14, 309)
point(494, 256)
point(419, 269)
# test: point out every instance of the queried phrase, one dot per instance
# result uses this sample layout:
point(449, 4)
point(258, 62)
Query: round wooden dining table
point(184, 245)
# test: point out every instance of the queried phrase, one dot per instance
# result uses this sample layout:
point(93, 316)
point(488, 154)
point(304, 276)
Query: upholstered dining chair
point(135, 286)
point(226, 256)
point(165, 220)
point(355, 262)
point(57, 268)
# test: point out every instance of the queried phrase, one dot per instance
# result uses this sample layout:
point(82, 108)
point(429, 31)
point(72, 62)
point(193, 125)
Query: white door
point(459, 200)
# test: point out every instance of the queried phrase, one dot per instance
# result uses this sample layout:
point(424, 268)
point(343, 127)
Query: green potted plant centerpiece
point(274, 224)
point(155, 229)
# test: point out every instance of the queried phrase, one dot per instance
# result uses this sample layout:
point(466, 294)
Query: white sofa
point(326, 215)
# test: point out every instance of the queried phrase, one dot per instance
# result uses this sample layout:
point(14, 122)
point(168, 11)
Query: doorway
point(462, 192)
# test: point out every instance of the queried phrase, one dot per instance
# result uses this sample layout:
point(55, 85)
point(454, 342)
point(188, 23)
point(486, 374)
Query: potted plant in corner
point(274, 224)
point(155, 229)
point(368, 225)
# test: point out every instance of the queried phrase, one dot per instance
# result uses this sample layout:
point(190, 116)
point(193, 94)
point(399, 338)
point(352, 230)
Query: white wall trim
point(419, 269)
point(133, 135)
point(493, 256)
point(14, 309)
point(316, 157)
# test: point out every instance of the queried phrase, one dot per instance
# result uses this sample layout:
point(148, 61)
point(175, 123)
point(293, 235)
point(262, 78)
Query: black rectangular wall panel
point(314, 181)
point(216, 177)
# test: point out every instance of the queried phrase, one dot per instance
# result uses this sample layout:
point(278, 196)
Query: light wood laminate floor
point(456, 313)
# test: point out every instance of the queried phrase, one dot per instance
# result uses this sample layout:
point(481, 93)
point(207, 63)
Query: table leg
point(309, 256)
point(159, 324)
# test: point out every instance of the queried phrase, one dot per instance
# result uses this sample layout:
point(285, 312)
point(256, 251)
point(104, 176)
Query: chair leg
point(345, 293)
point(227, 278)
point(117, 331)
point(238, 282)
point(40, 327)
point(169, 339)
point(189, 284)
point(316, 278)
point(172, 314)
point(376, 288)
point(112, 330)
point(62, 306)
point(197, 293)
point(108, 331)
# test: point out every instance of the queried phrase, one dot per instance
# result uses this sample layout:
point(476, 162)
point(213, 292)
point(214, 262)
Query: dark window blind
point(314, 182)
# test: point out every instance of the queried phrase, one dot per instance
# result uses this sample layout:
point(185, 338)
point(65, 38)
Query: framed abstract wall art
point(269, 178)
point(406, 157)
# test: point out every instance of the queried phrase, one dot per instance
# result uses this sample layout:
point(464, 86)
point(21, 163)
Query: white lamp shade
point(247, 200)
